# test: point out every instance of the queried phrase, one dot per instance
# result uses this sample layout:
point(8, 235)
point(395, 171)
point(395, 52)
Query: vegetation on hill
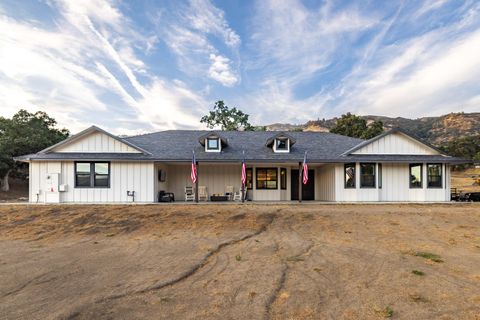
point(436, 130)
point(25, 133)
point(354, 126)
point(464, 147)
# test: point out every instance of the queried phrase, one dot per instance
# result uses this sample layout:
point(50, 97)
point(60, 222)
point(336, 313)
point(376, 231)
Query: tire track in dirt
point(280, 284)
point(185, 275)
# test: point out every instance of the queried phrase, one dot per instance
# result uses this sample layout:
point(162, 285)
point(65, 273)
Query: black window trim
point(441, 175)
point(218, 144)
point(286, 179)
point(410, 176)
point(374, 175)
point(379, 175)
point(354, 175)
point(249, 169)
point(266, 169)
point(92, 175)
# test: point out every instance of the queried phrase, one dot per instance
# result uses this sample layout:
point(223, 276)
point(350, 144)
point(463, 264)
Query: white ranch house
point(95, 166)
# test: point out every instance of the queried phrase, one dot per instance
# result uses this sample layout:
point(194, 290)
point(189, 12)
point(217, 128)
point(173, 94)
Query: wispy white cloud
point(435, 73)
point(188, 34)
point(220, 70)
point(65, 70)
point(291, 44)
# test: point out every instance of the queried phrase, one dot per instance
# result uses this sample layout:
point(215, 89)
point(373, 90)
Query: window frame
point(374, 175)
point(283, 179)
point(410, 175)
point(92, 175)
point(212, 139)
point(441, 176)
point(354, 186)
point(266, 173)
point(247, 182)
point(379, 175)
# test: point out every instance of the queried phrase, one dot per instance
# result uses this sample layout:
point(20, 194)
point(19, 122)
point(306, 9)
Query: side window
point(82, 174)
point(367, 175)
point(416, 173)
point(434, 175)
point(92, 174)
point(349, 175)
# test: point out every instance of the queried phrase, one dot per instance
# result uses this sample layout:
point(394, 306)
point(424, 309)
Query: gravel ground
point(240, 262)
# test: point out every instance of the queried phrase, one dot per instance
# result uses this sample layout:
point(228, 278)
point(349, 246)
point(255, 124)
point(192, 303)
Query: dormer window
point(280, 143)
point(213, 144)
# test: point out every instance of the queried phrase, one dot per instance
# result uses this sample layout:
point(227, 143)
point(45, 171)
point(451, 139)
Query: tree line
point(27, 133)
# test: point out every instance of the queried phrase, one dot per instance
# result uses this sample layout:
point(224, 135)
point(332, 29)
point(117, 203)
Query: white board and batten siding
point(96, 142)
point(124, 176)
point(325, 183)
point(395, 176)
point(396, 143)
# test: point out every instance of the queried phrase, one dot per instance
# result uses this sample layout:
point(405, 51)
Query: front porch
point(265, 181)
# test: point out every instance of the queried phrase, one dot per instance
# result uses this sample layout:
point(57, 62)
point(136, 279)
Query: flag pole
point(196, 180)
point(243, 183)
point(300, 168)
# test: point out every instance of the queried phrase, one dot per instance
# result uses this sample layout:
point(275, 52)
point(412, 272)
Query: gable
point(95, 142)
point(396, 143)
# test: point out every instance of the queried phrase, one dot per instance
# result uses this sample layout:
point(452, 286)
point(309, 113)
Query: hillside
point(436, 130)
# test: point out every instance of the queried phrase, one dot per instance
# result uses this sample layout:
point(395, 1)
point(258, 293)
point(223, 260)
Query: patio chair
point(189, 194)
point(229, 192)
point(237, 196)
point(202, 193)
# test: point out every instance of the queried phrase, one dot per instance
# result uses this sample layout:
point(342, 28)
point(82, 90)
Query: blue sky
point(140, 66)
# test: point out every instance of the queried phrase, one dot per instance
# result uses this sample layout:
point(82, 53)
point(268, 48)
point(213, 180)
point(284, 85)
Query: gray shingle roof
point(177, 145)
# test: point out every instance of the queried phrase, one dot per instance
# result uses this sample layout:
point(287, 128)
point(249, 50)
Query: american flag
point(193, 174)
point(244, 171)
point(305, 169)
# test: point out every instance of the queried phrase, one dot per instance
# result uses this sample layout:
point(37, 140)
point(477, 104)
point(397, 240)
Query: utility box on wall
point(52, 194)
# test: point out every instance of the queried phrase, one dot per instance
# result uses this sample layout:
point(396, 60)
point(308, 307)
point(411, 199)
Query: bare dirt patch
point(240, 262)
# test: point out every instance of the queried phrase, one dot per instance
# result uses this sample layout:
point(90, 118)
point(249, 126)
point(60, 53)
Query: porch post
point(196, 184)
point(243, 193)
point(300, 167)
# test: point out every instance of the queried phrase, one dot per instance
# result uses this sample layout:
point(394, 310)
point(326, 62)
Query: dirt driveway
point(240, 262)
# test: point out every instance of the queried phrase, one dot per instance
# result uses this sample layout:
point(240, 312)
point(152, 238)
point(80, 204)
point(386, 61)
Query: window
point(281, 144)
point(92, 174)
point(283, 178)
point(267, 178)
point(249, 182)
point(416, 172)
point(367, 175)
point(82, 174)
point(434, 175)
point(379, 176)
point(102, 177)
point(213, 144)
point(350, 175)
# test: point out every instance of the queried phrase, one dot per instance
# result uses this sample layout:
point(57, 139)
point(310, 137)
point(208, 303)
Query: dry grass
point(240, 262)
point(467, 180)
